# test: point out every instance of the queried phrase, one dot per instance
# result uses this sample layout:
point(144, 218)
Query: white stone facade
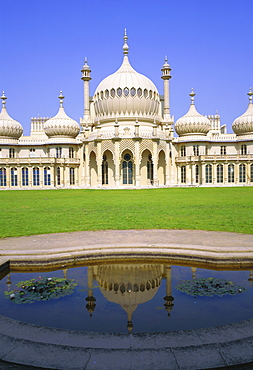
point(126, 138)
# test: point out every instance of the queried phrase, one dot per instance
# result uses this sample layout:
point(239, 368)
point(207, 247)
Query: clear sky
point(209, 44)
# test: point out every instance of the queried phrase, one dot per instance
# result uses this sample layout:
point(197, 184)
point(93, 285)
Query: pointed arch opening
point(127, 168)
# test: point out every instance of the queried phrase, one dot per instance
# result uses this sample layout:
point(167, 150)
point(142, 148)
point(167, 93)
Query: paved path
point(31, 345)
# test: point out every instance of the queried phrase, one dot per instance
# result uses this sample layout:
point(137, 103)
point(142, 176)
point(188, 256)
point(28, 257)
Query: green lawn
point(49, 211)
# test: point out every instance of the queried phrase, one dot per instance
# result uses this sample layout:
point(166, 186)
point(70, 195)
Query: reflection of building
point(126, 138)
point(129, 285)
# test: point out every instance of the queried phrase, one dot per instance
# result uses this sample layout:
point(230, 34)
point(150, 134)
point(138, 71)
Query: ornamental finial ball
point(192, 95)
point(3, 97)
point(61, 97)
point(250, 93)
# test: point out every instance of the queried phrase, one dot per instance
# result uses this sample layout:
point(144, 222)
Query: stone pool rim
point(221, 346)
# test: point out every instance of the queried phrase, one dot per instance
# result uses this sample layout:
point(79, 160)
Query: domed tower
point(9, 128)
point(126, 96)
point(192, 123)
point(243, 125)
point(61, 125)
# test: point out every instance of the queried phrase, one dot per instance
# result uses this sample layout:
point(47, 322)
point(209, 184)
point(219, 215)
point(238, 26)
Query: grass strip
point(30, 212)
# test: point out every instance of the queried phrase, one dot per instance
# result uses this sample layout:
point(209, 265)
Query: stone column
point(99, 164)
point(117, 164)
point(137, 163)
point(203, 173)
point(155, 163)
point(87, 167)
point(167, 164)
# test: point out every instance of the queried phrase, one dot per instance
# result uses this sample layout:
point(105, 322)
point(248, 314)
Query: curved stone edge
point(213, 257)
point(35, 345)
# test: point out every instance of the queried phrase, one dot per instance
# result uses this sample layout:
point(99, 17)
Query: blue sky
point(208, 43)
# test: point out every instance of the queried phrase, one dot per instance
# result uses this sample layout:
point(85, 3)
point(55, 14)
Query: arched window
point(197, 173)
point(104, 171)
point(243, 149)
point(183, 151)
point(58, 152)
point(2, 176)
point(36, 176)
point(209, 177)
point(127, 166)
point(251, 173)
point(24, 176)
point(219, 173)
point(14, 177)
point(242, 172)
point(71, 152)
point(58, 176)
point(47, 176)
point(183, 174)
point(231, 173)
point(72, 176)
point(150, 169)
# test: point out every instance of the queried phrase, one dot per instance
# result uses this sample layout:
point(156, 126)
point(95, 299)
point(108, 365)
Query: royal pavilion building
point(126, 138)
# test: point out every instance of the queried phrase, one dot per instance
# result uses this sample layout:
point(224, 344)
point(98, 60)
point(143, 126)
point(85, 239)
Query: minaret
point(86, 79)
point(166, 88)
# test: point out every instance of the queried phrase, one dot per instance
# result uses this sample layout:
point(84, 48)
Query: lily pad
point(42, 289)
point(209, 287)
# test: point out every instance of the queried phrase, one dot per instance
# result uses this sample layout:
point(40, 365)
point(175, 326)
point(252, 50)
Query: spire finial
point(166, 59)
point(192, 94)
point(61, 97)
point(125, 46)
point(3, 97)
point(250, 93)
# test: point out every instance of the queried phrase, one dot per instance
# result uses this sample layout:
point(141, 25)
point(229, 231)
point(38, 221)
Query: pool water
point(130, 297)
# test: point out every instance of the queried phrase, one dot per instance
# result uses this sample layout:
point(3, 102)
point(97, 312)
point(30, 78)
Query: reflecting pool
point(138, 297)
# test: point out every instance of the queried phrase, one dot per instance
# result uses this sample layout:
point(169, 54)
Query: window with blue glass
point(127, 167)
point(36, 176)
point(2, 176)
point(14, 177)
point(24, 176)
point(47, 176)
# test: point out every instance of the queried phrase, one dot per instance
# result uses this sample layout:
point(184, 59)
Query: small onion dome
point(192, 123)
point(9, 128)
point(126, 93)
point(61, 125)
point(243, 125)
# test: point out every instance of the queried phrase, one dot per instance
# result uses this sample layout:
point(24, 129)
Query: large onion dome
point(9, 127)
point(192, 123)
point(61, 125)
point(243, 125)
point(126, 93)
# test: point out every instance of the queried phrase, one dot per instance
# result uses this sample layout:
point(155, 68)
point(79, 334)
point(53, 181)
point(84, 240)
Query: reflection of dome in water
point(129, 285)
